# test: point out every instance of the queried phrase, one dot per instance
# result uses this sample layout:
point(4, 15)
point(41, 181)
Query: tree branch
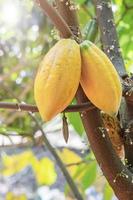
point(108, 34)
point(111, 48)
point(54, 16)
point(32, 108)
point(69, 16)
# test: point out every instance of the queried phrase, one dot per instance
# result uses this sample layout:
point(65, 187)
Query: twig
point(32, 108)
point(8, 134)
point(54, 16)
point(108, 34)
point(79, 163)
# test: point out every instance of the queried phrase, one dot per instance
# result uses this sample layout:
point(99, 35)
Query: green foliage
point(108, 192)
point(75, 120)
point(89, 175)
point(124, 17)
point(90, 30)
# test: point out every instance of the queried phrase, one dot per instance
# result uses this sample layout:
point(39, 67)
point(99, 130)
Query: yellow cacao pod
point(99, 79)
point(58, 78)
point(112, 126)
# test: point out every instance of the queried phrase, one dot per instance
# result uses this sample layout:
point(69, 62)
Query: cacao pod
point(99, 79)
point(58, 78)
point(112, 126)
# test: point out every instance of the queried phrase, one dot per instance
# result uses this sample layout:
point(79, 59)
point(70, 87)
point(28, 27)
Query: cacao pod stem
point(65, 128)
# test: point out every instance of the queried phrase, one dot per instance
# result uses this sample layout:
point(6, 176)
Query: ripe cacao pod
point(58, 78)
point(112, 126)
point(99, 79)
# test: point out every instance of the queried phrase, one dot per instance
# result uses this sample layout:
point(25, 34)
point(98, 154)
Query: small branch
point(56, 18)
point(79, 163)
point(108, 34)
point(32, 108)
point(8, 134)
point(70, 17)
point(18, 106)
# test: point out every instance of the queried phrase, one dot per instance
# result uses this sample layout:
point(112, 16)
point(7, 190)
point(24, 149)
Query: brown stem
point(72, 19)
point(32, 108)
point(54, 16)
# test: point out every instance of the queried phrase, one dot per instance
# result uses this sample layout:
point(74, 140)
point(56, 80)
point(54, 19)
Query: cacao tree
point(99, 23)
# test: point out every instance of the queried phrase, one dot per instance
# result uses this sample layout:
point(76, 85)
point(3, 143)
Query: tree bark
point(112, 49)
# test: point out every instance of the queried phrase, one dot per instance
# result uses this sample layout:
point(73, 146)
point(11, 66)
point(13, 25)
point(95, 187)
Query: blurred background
point(28, 170)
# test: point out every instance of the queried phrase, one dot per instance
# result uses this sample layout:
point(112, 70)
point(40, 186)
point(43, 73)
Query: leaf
point(75, 121)
point(83, 17)
point(15, 163)
point(108, 192)
point(70, 157)
point(89, 175)
point(44, 169)
point(90, 30)
point(12, 196)
point(79, 172)
point(80, 2)
point(89, 158)
point(45, 172)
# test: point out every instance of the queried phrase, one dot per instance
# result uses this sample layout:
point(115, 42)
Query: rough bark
point(112, 49)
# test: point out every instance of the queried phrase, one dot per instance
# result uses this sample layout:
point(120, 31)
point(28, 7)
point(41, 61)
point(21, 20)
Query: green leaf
point(80, 2)
point(89, 175)
point(90, 30)
point(15, 163)
point(45, 171)
point(12, 196)
point(75, 120)
point(108, 192)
